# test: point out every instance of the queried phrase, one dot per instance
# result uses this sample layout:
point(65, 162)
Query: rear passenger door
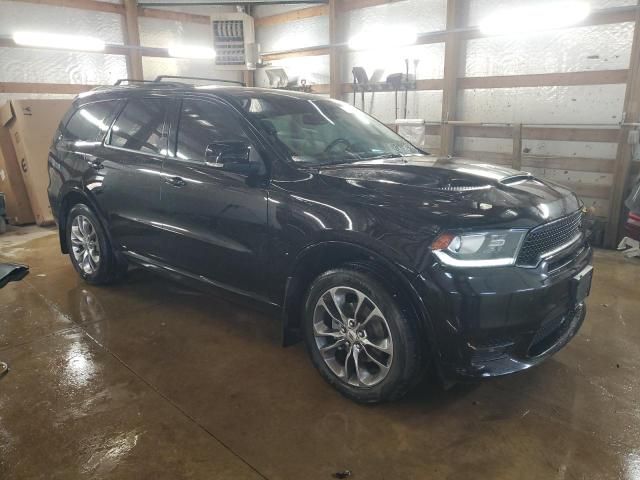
point(216, 220)
point(131, 166)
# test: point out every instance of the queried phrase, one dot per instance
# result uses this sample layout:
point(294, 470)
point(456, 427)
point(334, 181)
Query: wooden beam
point(516, 136)
point(132, 38)
point(602, 77)
point(358, 4)
point(598, 135)
point(175, 16)
point(292, 16)
point(92, 5)
point(58, 88)
point(453, 52)
point(625, 150)
point(335, 85)
point(421, 85)
point(301, 52)
point(577, 164)
point(564, 134)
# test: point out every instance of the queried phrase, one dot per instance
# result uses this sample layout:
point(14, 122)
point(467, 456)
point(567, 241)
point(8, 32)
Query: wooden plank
point(92, 5)
point(516, 136)
point(421, 85)
point(624, 155)
point(603, 77)
point(175, 16)
point(348, 5)
point(57, 88)
point(292, 16)
point(577, 164)
point(564, 134)
point(482, 131)
point(132, 38)
point(302, 52)
point(321, 88)
point(590, 190)
point(453, 51)
point(335, 87)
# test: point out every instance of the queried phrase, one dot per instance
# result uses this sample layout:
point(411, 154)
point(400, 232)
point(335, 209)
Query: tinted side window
point(140, 126)
point(202, 123)
point(90, 122)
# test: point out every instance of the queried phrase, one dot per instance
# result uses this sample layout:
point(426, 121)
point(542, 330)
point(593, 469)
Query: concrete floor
point(150, 380)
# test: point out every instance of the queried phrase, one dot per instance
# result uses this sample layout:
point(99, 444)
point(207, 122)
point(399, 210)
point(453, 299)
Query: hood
point(457, 191)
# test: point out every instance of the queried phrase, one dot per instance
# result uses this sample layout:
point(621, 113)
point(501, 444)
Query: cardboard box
point(31, 124)
point(11, 184)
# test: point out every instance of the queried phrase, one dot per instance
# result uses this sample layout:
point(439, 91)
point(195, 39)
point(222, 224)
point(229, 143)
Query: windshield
point(322, 132)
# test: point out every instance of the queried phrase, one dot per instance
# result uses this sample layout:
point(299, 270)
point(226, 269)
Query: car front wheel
point(361, 339)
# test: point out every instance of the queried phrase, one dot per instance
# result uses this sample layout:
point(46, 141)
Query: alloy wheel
point(353, 336)
point(85, 245)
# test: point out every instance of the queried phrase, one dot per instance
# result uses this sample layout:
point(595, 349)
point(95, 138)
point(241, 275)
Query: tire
point(3, 224)
point(90, 251)
point(392, 328)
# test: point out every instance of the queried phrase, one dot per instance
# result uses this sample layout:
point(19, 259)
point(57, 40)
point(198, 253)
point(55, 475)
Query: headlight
point(488, 249)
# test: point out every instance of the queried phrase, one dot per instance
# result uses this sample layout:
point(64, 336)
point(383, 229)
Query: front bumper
point(496, 321)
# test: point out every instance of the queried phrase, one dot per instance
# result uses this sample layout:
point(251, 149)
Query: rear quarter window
point(90, 122)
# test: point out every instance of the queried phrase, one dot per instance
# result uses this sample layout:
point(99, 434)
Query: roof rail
point(160, 78)
point(130, 81)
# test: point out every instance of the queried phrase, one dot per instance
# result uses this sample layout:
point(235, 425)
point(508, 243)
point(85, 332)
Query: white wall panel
point(161, 33)
point(426, 105)
point(15, 16)
point(478, 9)
point(420, 15)
point(602, 47)
point(154, 66)
point(49, 66)
point(564, 105)
point(309, 32)
point(314, 69)
point(430, 57)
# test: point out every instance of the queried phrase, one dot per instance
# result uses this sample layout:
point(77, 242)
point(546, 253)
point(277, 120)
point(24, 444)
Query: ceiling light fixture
point(192, 51)
point(54, 40)
point(523, 20)
point(383, 37)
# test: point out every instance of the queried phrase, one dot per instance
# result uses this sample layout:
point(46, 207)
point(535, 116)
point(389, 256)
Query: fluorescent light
point(54, 40)
point(383, 37)
point(522, 20)
point(192, 51)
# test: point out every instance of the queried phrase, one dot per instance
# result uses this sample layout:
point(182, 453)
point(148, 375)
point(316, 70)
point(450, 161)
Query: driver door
point(215, 220)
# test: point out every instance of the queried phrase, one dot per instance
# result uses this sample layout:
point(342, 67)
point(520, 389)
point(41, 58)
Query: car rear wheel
point(89, 247)
point(360, 338)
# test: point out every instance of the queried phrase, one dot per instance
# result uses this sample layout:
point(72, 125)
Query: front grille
point(548, 237)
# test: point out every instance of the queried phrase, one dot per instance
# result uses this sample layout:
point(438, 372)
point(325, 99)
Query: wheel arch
point(72, 197)
point(324, 256)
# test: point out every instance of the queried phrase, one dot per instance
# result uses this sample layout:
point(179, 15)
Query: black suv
point(384, 259)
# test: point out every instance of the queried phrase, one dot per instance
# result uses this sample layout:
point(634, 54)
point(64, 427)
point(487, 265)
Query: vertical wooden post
point(450, 89)
point(625, 151)
point(516, 159)
point(248, 77)
point(335, 90)
point(132, 38)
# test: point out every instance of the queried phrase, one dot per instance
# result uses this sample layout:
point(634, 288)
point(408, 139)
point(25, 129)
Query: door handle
point(175, 181)
point(93, 161)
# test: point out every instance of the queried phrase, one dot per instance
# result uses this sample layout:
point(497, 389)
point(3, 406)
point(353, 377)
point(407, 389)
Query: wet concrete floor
point(148, 379)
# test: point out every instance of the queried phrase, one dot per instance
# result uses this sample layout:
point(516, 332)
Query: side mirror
point(219, 154)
